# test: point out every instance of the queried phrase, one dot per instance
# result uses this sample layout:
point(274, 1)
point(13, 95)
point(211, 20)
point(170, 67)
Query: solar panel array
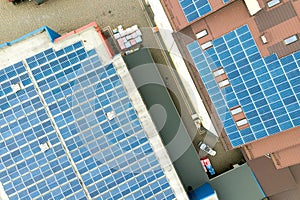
point(193, 9)
point(65, 101)
point(267, 89)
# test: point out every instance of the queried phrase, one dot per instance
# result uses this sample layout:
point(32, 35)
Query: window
point(291, 40)
point(221, 77)
point(206, 45)
point(239, 117)
point(201, 34)
point(242, 122)
point(236, 110)
point(219, 72)
point(273, 3)
point(3, 194)
point(223, 83)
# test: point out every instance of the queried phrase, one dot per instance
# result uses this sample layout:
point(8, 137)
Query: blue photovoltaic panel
point(113, 156)
point(226, 1)
point(193, 9)
point(268, 89)
point(25, 171)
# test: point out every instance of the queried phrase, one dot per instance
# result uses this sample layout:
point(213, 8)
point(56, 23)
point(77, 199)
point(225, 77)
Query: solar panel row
point(268, 89)
point(68, 94)
point(193, 9)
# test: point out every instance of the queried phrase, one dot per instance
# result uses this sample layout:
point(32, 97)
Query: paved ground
point(66, 15)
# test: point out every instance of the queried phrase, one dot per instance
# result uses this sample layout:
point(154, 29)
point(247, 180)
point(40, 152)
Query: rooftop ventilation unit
point(45, 146)
point(17, 87)
point(111, 115)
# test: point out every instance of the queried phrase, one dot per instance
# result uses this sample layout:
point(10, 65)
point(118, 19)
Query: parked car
point(207, 149)
point(207, 166)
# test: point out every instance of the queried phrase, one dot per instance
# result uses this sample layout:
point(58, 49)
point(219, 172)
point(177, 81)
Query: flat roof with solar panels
point(73, 125)
point(254, 96)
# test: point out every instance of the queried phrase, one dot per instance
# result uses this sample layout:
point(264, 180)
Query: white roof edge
point(3, 195)
point(252, 6)
point(166, 31)
point(90, 40)
point(28, 47)
point(40, 42)
point(150, 129)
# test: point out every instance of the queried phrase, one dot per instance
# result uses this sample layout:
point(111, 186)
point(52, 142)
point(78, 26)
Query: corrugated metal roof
point(272, 181)
point(286, 157)
point(282, 50)
point(266, 20)
point(274, 143)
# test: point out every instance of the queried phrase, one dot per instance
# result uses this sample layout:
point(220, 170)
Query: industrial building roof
point(238, 183)
point(267, 89)
point(71, 125)
point(277, 184)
